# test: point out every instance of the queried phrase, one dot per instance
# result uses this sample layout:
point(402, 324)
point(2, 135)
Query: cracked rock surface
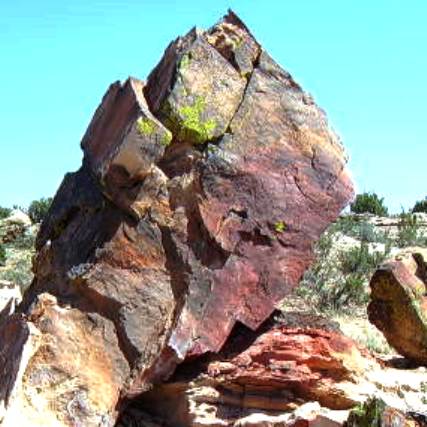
point(197, 204)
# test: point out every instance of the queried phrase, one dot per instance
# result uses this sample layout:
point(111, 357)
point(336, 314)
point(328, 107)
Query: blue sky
point(364, 61)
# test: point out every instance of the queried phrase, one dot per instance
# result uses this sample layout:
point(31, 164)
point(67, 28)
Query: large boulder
point(398, 304)
point(199, 199)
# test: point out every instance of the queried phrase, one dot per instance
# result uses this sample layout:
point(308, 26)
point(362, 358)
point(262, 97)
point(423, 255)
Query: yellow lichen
point(166, 139)
point(280, 226)
point(191, 124)
point(145, 126)
point(185, 61)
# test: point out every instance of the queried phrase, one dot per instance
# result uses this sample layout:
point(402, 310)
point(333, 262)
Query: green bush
point(351, 290)
point(360, 261)
point(369, 203)
point(337, 281)
point(409, 233)
point(357, 227)
point(21, 273)
point(4, 212)
point(356, 265)
point(2, 255)
point(25, 240)
point(420, 206)
point(38, 209)
point(313, 285)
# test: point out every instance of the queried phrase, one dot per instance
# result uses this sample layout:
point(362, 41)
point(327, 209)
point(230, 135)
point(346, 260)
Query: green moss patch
point(145, 126)
point(188, 123)
point(166, 139)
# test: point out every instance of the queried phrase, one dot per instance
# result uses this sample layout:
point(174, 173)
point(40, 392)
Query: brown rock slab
point(398, 306)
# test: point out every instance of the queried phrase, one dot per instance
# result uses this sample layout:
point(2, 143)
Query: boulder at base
point(200, 196)
point(398, 304)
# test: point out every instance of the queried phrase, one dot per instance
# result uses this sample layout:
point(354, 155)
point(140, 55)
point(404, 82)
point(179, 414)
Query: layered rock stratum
point(201, 193)
point(283, 375)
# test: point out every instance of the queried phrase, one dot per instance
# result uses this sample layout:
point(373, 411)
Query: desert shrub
point(38, 209)
point(420, 206)
point(368, 233)
point(369, 203)
point(320, 271)
point(360, 261)
point(314, 281)
point(409, 233)
point(348, 290)
point(4, 212)
point(2, 255)
point(338, 280)
point(21, 273)
point(359, 228)
point(356, 266)
point(25, 240)
point(346, 224)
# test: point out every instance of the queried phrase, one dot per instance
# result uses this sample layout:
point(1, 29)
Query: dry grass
point(358, 327)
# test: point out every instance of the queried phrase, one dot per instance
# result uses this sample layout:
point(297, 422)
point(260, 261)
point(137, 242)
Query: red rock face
point(199, 199)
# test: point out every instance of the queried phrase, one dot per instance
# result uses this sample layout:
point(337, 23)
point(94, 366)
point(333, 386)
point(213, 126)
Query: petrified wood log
point(200, 196)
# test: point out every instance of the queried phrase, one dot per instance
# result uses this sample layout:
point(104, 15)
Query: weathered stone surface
point(124, 142)
point(206, 91)
point(64, 368)
point(117, 268)
point(310, 414)
point(233, 40)
point(398, 304)
point(199, 199)
point(273, 380)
